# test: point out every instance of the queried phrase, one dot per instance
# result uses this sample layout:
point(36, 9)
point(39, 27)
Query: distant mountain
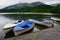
point(28, 7)
point(37, 4)
point(56, 9)
point(23, 5)
point(56, 4)
point(17, 6)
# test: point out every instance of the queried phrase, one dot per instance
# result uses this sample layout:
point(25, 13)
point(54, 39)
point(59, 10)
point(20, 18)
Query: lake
point(6, 18)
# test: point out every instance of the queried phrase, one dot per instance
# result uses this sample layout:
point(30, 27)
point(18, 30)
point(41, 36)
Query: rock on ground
point(46, 34)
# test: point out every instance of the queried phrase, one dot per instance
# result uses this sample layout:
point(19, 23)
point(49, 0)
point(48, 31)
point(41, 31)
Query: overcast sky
point(4, 3)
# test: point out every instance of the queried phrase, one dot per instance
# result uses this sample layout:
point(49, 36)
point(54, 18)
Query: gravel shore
point(46, 34)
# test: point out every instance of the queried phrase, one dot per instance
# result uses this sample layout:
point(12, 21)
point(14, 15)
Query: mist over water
point(7, 18)
point(3, 21)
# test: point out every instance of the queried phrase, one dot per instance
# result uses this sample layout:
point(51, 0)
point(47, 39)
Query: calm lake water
point(6, 18)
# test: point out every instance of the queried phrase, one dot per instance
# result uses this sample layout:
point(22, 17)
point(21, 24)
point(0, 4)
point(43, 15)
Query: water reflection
point(3, 21)
point(12, 17)
point(24, 16)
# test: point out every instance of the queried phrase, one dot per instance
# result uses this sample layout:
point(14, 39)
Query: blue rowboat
point(45, 22)
point(23, 27)
point(9, 26)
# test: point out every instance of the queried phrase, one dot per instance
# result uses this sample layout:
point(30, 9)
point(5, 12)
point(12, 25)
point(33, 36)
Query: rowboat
point(9, 26)
point(22, 28)
point(56, 19)
point(44, 22)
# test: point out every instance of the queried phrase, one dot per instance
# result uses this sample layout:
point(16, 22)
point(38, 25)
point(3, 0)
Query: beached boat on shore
point(56, 19)
point(10, 26)
point(44, 22)
point(24, 27)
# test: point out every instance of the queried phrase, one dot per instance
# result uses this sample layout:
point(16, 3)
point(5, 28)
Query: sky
point(4, 3)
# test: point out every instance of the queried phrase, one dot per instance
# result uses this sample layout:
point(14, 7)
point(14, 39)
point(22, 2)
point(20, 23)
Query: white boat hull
point(56, 19)
point(8, 27)
point(41, 23)
point(22, 31)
